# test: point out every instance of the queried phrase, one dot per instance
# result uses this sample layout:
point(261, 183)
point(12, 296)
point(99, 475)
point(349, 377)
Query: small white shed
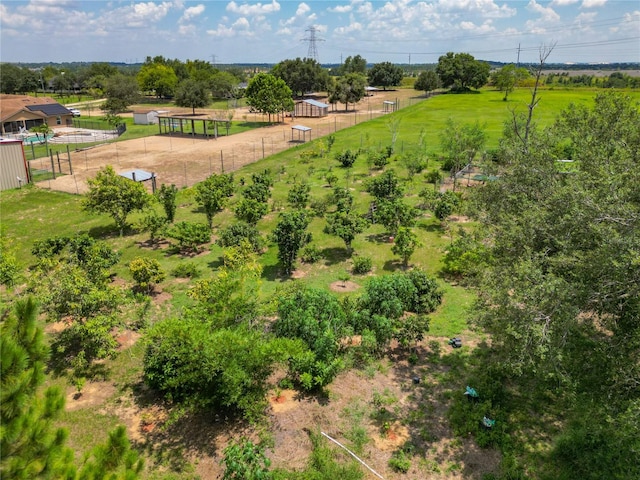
point(147, 117)
point(14, 171)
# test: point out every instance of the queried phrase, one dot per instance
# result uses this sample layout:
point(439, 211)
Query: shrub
point(190, 235)
point(399, 462)
point(235, 234)
point(146, 272)
point(362, 265)
point(347, 158)
point(250, 210)
point(310, 254)
point(331, 178)
point(319, 206)
point(186, 270)
point(153, 223)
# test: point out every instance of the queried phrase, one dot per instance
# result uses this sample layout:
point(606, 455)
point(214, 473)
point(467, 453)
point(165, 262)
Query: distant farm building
point(311, 108)
point(14, 171)
point(19, 113)
point(147, 117)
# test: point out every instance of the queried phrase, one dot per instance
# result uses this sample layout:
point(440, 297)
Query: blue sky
point(237, 31)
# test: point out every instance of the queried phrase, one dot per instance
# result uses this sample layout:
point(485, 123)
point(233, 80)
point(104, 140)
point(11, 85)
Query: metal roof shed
point(311, 108)
point(299, 129)
point(138, 175)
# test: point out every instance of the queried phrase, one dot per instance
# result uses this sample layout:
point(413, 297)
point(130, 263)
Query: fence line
point(186, 171)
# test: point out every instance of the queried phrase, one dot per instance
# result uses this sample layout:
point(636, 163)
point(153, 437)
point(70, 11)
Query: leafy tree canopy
point(302, 75)
point(385, 74)
point(462, 71)
point(115, 195)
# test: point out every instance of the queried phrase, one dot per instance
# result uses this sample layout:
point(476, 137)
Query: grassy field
point(30, 214)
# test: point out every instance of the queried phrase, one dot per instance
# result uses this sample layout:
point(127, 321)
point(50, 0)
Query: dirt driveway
point(184, 161)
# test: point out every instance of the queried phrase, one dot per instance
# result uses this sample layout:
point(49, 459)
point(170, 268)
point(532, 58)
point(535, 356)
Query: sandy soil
point(184, 160)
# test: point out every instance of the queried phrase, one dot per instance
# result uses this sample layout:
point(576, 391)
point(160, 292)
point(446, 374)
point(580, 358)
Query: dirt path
point(184, 161)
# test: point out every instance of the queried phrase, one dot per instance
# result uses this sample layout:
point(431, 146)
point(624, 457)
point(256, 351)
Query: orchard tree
point(192, 94)
point(385, 74)
point(167, 196)
point(115, 195)
point(213, 194)
point(290, 234)
point(427, 81)
point(269, 95)
point(302, 75)
point(299, 194)
point(146, 272)
point(345, 224)
point(460, 71)
point(508, 77)
point(405, 244)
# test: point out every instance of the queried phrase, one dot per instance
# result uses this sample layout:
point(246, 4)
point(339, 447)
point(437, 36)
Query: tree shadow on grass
point(334, 255)
point(378, 238)
point(393, 266)
point(430, 227)
point(104, 232)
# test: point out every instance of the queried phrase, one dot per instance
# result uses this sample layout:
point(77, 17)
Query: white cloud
point(192, 12)
point(593, 3)
point(563, 3)
point(547, 14)
point(252, 10)
point(303, 9)
point(483, 8)
point(340, 9)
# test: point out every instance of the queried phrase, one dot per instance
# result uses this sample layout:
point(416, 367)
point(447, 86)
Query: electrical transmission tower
point(312, 39)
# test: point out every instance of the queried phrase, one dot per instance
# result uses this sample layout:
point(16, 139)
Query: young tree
point(269, 95)
point(298, 196)
point(192, 94)
point(460, 144)
point(508, 77)
point(244, 460)
point(427, 81)
point(167, 196)
point(290, 234)
point(146, 272)
point(115, 195)
point(404, 244)
point(461, 71)
point(385, 74)
point(345, 224)
point(213, 194)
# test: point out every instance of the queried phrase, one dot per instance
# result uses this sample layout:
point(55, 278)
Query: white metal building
point(14, 171)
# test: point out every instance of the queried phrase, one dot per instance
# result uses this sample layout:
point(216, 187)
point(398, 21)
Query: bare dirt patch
point(93, 394)
point(184, 160)
point(346, 286)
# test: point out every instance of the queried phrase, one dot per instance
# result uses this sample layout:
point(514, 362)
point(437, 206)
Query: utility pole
point(518, 61)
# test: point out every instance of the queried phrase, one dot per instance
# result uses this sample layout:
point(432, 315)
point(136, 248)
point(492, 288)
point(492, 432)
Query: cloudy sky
point(268, 31)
